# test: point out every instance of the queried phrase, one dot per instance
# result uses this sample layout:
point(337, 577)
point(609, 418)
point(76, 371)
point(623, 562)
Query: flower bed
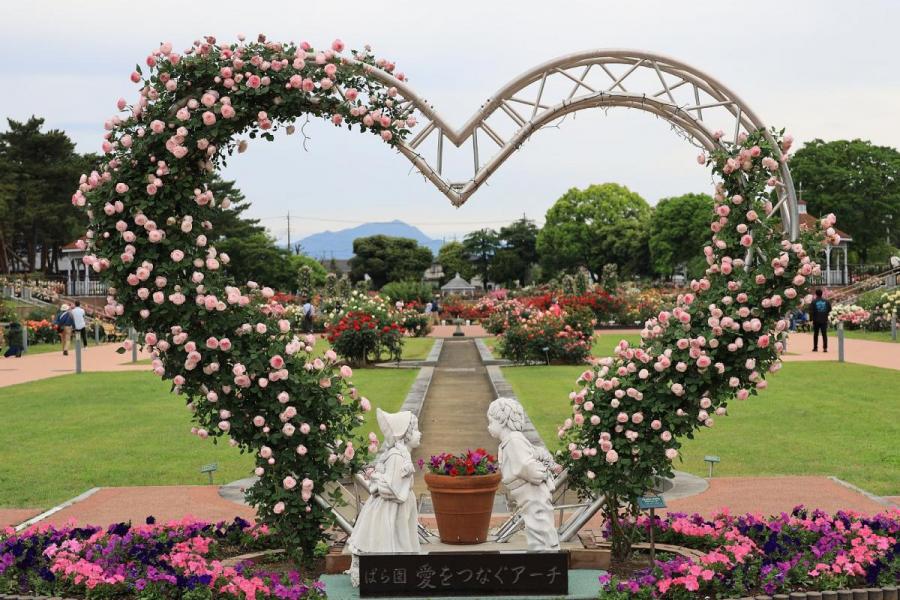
point(181, 559)
point(881, 306)
point(365, 327)
point(748, 555)
point(41, 332)
point(851, 315)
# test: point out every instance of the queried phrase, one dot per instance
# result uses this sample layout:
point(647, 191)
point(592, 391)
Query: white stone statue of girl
point(526, 473)
point(388, 521)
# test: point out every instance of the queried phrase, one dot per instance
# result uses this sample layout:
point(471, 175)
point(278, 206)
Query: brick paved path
point(33, 367)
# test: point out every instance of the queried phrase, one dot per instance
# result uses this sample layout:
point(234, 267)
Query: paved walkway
point(865, 352)
point(446, 331)
point(13, 516)
point(166, 503)
point(32, 367)
point(765, 495)
point(454, 417)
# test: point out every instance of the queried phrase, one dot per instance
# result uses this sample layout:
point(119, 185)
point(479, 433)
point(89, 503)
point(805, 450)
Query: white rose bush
point(226, 345)
point(714, 346)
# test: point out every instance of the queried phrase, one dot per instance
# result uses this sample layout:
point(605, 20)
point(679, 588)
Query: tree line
point(585, 229)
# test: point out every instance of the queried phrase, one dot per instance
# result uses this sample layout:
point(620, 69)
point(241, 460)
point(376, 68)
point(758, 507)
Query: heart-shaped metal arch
point(684, 96)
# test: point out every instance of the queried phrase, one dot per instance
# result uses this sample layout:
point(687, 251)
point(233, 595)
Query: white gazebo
point(835, 271)
point(78, 274)
point(459, 286)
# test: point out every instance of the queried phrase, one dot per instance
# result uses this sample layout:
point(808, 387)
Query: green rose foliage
point(717, 344)
point(227, 347)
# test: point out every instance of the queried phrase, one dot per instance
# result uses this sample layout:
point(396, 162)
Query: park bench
point(113, 333)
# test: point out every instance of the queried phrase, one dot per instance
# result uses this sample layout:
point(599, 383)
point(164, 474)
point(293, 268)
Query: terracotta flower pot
point(463, 506)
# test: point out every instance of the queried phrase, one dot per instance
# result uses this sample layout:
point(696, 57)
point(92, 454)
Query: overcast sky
point(824, 69)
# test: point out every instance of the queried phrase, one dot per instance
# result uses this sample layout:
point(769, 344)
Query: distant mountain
point(339, 244)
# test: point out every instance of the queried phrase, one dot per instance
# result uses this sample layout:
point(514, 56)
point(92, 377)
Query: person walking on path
point(309, 315)
point(78, 323)
point(64, 322)
point(818, 314)
point(436, 311)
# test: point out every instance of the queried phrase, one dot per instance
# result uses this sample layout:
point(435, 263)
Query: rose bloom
point(289, 483)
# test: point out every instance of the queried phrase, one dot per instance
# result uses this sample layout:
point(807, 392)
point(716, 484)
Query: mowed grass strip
point(62, 436)
point(814, 419)
point(862, 334)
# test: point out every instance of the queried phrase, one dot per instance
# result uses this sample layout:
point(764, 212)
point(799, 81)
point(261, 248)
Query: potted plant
point(462, 490)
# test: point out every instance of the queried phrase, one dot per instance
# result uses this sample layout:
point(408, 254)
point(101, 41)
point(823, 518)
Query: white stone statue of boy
point(526, 473)
point(388, 521)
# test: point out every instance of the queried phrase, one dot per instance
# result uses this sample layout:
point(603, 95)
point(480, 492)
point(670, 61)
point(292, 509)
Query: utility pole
point(290, 248)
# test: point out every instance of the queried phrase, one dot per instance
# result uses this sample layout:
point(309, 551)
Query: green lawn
point(46, 348)
point(814, 419)
point(417, 348)
point(63, 435)
point(605, 343)
point(861, 334)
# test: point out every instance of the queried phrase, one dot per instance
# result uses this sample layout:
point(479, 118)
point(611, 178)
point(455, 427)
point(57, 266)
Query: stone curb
point(866, 493)
point(56, 509)
point(487, 357)
point(415, 398)
point(885, 593)
point(435, 353)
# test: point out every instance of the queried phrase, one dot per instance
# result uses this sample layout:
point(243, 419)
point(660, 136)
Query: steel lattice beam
point(684, 96)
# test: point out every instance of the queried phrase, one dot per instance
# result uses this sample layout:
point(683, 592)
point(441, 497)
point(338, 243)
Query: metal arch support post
point(570, 528)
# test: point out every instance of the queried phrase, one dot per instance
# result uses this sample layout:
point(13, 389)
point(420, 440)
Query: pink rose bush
point(535, 335)
point(180, 559)
point(750, 555)
point(228, 347)
point(715, 345)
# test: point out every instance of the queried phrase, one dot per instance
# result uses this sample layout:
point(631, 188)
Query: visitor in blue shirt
point(818, 314)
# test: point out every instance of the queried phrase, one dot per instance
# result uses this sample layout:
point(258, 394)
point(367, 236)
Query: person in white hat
point(64, 322)
point(388, 521)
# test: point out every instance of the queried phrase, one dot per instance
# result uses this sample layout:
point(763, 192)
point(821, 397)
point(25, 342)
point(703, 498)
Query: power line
point(417, 223)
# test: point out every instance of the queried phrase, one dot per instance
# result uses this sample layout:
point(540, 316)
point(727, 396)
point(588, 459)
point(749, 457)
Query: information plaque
point(464, 574)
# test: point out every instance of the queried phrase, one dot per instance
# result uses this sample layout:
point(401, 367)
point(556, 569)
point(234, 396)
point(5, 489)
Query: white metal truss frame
point(684, 96)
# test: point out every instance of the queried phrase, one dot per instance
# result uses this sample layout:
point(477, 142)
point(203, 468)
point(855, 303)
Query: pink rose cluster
point(716, 344)
point(226, 345)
